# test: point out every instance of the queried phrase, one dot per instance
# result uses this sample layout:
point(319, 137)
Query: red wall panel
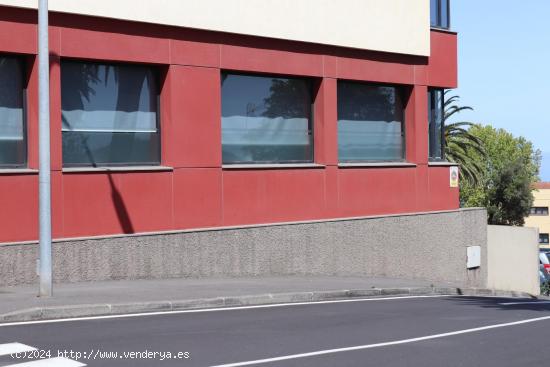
point(197, 197)
point(330, 66)
point(194, 139)
point(57, 201)
point(199, 192)
point(18, 207)
point(92, 205)
point(86, 37)
point(262, 196)
point(441, 195)
point(99, 203)
point(194, 48)
point(376, 70)
point(416, 125)
point(331, 201)
point(18, 31)
point(56, 154)
point(376, 191)
point(148, 199)
point(325, 122)
point(442, 65)
point(260, 59)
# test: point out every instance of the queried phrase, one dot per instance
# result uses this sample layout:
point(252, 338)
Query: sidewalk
point(127, 296)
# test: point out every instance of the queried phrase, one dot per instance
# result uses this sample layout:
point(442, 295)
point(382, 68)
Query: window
point(13, 148)
point(544, 238)
point(436, 139)
point(539, 210)
point(109, 114)
point(266, 119)
point(439, 13)
point(370, 123)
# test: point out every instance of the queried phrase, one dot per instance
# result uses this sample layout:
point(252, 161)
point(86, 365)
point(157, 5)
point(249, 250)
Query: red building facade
point(191, 188)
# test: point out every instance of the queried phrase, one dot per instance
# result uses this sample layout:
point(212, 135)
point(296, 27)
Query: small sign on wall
point(453, 176)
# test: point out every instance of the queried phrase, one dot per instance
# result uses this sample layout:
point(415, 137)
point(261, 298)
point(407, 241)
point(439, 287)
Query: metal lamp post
point(45, 220)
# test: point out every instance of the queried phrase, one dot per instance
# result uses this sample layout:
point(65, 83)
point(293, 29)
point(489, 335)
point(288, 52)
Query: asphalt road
point(438, 331)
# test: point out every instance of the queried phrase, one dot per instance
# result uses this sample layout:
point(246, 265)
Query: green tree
point(510, 167)
point(459, 142)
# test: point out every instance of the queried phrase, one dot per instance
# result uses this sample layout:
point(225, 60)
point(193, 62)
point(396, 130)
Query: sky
point(504, 67)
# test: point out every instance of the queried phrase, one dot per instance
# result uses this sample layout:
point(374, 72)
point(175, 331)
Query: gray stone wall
point(428, 246)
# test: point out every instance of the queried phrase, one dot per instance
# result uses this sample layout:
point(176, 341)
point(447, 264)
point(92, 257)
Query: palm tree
point(460, 143)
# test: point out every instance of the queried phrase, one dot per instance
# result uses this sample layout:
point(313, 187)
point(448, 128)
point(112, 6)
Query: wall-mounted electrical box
point(473, 254)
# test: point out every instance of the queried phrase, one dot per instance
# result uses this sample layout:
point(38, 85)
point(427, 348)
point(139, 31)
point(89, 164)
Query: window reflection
point(436, 120)
point(12, 126)
point(109, 114)
point(370, 123)
point(265, 119)
point(440, 13)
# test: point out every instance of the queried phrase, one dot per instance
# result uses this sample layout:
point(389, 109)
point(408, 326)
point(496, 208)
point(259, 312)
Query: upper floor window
point(436, 129)
point(539, 210)
point(266, 119)
point(370, 123)
point(439, 13)
point(109, 114)
point(13, 148)
point(543, 238)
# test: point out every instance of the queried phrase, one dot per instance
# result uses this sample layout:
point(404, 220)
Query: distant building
point(539, 216)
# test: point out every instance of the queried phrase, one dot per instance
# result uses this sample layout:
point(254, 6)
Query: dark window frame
point(311, 121)
point(439, 16)
point(539, 211)
point(157, 73)
point(432, 133)
point(401, 90)
point(544, 238)
point(24, 90)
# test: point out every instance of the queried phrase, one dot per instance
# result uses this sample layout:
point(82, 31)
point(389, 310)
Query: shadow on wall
point(118, 202)
point(86, 78)
point(120, 208)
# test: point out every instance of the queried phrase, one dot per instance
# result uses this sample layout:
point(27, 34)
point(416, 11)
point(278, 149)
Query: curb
point(107, 309)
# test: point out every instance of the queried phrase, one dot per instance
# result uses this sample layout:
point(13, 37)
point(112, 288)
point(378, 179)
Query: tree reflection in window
point(370, 123)
point(266, 119)
point(109, 114)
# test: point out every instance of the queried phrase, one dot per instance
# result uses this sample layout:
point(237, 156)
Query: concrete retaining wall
point(423, 246)
point(513, 261)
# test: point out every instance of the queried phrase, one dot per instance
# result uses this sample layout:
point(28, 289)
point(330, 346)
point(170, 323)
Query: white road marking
point(52, 362)
point(378, 345)
point(13, 348)
point(217, 309)
point(524, 303)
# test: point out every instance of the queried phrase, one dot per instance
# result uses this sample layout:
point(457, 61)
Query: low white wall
point(512, 259)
